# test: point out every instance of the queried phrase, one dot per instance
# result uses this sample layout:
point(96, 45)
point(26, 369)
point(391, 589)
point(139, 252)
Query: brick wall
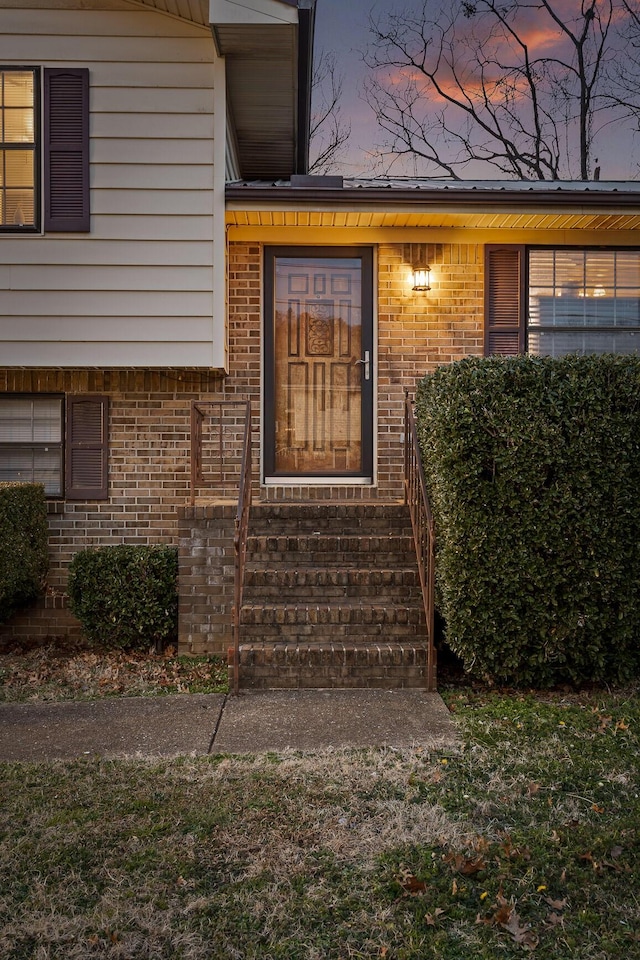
point(416, 332)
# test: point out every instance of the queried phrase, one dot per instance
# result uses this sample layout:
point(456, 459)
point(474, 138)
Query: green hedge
point(533, 468)
point(24, 536)
point(126, 596)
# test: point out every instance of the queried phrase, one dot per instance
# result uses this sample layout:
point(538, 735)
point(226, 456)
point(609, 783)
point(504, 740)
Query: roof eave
point(243, 196)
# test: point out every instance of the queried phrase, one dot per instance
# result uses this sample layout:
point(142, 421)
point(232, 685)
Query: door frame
point(366, 255)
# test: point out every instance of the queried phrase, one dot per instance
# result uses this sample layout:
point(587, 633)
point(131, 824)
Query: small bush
point(533, 468)
point(126, 597)
point(24, 537)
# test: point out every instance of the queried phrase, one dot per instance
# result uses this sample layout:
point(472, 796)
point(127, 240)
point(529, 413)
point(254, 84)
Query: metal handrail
point(240, 543)
point(415, 492)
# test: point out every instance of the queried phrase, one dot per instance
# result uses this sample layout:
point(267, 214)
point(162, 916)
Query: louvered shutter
point(86, 448)
point(66, 150)
point(504, 301)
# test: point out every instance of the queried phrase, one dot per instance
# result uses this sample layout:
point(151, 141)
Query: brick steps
point(333, 664)
point(331, 598)
point(397, 586)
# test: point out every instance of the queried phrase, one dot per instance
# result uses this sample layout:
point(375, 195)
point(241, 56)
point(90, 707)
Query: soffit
point(197, 11)
point(433, 219)
point(262, 84)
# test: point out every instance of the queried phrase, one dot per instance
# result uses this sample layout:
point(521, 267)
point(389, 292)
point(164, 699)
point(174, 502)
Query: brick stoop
point(332, 598)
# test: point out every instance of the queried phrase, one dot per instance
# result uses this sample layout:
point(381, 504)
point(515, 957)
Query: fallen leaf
point(556, 904)
point(432, 917)
point(554, 920)
point(467, 866)
point(411, 885)
point(520, 933)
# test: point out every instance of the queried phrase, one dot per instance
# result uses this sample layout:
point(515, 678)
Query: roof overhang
point(473, 205)
point(267, 46)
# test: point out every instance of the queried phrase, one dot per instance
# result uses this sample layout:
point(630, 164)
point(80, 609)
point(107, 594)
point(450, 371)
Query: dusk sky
point(342, 26)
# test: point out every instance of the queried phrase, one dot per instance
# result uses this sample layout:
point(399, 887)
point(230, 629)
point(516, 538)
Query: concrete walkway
point(199, 724)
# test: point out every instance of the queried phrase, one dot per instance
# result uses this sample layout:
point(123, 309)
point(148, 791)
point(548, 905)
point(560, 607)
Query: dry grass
point(49, 673)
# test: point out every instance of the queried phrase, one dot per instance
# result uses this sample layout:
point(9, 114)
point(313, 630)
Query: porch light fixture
point(422, 278)
point(421, 271)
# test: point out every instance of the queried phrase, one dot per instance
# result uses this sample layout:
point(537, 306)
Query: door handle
point(366, 363)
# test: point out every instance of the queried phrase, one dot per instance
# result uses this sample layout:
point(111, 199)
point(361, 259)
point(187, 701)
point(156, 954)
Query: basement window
point(31, 449)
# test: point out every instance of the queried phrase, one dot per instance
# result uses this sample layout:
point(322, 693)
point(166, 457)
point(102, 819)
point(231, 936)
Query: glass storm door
point(319, 363)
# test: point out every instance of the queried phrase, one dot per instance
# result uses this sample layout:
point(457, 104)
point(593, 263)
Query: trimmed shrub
point(126, 596)
point(533, 469)
point(24, 535)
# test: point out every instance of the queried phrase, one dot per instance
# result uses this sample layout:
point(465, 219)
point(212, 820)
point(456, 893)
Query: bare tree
point(329, 131)
point(471, 87)
point(625, 79)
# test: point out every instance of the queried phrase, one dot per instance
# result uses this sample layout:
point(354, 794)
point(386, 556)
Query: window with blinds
point(18, 166)
point(31, 448)
point(583, 301)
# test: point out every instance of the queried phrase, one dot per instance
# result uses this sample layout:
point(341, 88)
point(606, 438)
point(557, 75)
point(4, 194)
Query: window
point(18, 166)
point(557, 301)
point(61, 445)
point(54, 139)
point(31, 441)
point(584, 301)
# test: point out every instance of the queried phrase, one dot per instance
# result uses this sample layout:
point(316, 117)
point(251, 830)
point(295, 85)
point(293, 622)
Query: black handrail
point(415, 493)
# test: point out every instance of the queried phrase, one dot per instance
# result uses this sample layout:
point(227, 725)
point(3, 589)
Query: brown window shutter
point(86, 448)
point(504, 300)
point(66, 150)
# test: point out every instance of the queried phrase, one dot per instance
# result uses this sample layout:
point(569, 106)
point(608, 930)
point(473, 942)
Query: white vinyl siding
point(141, 288)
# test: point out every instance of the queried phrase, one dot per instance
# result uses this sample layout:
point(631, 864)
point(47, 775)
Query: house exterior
point(173, 250)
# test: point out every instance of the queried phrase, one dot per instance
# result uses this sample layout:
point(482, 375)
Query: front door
point(319, 363)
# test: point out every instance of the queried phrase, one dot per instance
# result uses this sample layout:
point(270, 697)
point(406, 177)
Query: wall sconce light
point(421, 271)
point(421, 278)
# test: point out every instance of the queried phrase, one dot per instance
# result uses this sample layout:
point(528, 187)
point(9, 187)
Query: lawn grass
point(524, 840)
